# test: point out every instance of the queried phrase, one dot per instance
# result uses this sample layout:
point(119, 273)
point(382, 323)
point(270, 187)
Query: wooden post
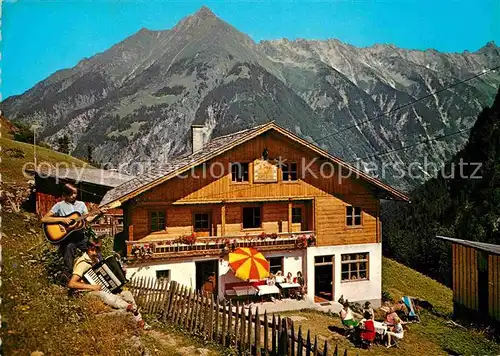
point(289, 216)
point(175, 308)
point(249, 331)
point(257, 333)
point(192, 304)
point(308, 343)
point(273, 336)
point(189, 308)
point(242, 329)
point(211, 320)
point(345, 352)
point(316, 345)
point(173, 286)
point(236, 321)
point(168, 298)
point(266, 336)
point(291, 350)
point(299, 342)
point(283, 339)
point(194, 322)
point(138, 300)
point(229, 323)
point(224, 326)
point(325, 349)
point(336, 351)
point(216, 323)
point(182, 305)
point(223, 219)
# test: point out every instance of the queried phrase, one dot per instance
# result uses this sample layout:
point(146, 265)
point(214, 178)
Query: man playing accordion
point(123, 301)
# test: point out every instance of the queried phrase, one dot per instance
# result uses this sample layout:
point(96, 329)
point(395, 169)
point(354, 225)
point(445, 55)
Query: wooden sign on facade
point(264, 172)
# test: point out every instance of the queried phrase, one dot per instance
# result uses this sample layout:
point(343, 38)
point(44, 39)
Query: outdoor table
point(287, 287)
point(265, 289)
point(245, 290)
point(380, 328)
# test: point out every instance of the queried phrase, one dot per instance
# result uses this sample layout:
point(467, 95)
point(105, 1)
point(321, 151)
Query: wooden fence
point(230, 325)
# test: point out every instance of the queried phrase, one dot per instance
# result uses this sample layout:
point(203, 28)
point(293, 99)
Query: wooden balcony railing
point(190, 245)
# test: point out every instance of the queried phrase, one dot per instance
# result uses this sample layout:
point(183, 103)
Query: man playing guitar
point(76, 239)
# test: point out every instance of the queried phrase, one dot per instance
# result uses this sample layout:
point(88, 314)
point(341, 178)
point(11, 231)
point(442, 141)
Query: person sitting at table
point(289, 277)
point(367, 308)
point(347, 316)
point(396, 332)
point(367, 329)
point(391, 315)
point(271, 280)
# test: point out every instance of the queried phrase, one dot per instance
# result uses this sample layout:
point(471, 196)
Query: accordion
point(108, 274)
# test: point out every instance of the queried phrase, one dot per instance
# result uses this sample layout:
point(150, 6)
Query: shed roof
point(482, 246)
point(96, 176)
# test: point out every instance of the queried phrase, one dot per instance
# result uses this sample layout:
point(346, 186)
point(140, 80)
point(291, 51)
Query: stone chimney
point(199, 137)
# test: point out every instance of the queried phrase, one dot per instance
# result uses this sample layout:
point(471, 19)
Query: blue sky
point(40, 37)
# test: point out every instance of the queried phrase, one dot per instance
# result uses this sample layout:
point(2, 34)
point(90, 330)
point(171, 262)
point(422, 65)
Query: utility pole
point(34, 127)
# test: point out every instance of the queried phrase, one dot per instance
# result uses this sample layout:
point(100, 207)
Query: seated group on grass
point(390, 330)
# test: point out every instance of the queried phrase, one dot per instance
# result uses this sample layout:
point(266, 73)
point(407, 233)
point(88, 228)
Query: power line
point(413, 145)
point(410, 103)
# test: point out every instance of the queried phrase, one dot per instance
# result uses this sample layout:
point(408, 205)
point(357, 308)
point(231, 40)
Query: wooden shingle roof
point(215, 147)
point(95, 176)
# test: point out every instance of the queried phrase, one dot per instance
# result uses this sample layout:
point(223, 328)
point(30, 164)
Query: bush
point(387, 297)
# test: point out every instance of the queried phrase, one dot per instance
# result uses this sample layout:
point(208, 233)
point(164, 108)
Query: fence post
point(299, 342)
point(325, 349)
point(188, 310)
point(197, 312)
point(308, 343)
point(181, 305)
point(229, 323)
point(283, 339)
point(171, 303)
point(192, 303)
point(149, 295)
point(157, 296)
point(315, 345)
point(211, 319)
point(273, 336)
point(142, 286)
point(236, 323)
point(242, 329)
point(249, 331)
point(291, 350)
point(216, 323)
point(168, 297)
point(257, 333)
point(224, 326)
point(345, 352)
point(266, 336)
point(336, 351)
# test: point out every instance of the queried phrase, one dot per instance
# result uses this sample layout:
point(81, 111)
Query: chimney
point(199, 137)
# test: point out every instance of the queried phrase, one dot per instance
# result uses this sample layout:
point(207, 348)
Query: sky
point(41, 37)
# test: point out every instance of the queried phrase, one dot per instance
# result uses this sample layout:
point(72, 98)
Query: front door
point(206, 276)
point(324, 284)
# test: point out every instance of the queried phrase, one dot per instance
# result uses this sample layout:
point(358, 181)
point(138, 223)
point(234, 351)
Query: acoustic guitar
point(57, 232)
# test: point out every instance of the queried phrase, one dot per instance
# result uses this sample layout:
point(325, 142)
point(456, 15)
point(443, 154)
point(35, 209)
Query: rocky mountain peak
point(204, 13)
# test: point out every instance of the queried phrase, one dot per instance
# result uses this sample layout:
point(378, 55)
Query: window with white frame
point(354, 266)
point(163, 275)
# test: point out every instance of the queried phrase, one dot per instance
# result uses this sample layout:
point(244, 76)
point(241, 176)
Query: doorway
point(324, 281)
point(207, 273)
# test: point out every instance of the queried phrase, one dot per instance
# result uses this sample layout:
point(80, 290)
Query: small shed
point(476, 279)
point(92, 184)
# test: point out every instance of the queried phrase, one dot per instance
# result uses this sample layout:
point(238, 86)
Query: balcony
point(192, 246)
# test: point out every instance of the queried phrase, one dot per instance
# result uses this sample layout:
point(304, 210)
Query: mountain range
point(135, 102)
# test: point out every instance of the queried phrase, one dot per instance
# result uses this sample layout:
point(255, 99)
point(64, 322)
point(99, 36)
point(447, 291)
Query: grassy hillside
point(433, 336)
point(15, 155)
point(40, 316)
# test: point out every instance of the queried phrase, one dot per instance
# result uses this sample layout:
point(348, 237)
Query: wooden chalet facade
point(266, 188)
point(476, 280)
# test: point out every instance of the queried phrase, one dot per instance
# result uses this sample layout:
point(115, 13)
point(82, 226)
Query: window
point(289, 171)
point(323, 260)
point(275, 264)
point(251, 217)
point(354, 267)
point(157, 221)
point(163, 275)
point(353, 216)
point(296, 215)
point(239, 172)
point(201, 221)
